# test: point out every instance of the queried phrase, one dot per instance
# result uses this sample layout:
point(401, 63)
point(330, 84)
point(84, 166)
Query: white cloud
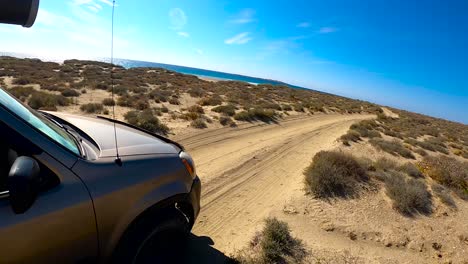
point(177, 18)
point(244, 17)
point(303, 25)
point(93, 8)
point(183, 34)
point(107, 2)
point(238, 39)
point(326, 30)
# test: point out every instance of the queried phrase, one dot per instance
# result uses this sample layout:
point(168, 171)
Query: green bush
point(46, 101)
point(274, 244)
point(392, 147)
point(21, 81)
point(409, 196)
point(228, 110)
point(92, 108)
point(70, 93)
point(146, 120)
point(334, 174)
point(21, 92)
point(198, 123)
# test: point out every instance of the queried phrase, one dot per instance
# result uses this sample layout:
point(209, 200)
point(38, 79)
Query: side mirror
point(19, 12)
point(23, 184)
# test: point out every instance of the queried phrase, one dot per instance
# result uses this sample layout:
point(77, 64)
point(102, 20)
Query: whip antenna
point(117, 158)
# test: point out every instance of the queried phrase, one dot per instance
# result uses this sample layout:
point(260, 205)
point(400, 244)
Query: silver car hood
point(129, 140)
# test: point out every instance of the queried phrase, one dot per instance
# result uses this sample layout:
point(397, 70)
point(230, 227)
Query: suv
point(64, 197)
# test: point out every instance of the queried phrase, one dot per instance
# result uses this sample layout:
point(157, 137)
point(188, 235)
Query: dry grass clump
point(334, 174)
point(196, 109)
point(351, 135)
point(92, 108)
point(139, 102)
point(448, 172)
point(274, 244)
point(46, 101)
point(409, 196)
point(227, 121)
point(228, 110)
point(443, 194)
point(212, 100)
point(146, 120)
point(199, 123)
point(392, 147)
point(21, 81)
point(108, 102)
point(411, 169)
point(256, 114)
point(431, 144)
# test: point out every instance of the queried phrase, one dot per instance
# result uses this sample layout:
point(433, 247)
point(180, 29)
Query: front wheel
point(154, 239)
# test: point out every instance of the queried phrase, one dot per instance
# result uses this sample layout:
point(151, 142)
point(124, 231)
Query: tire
point(153, 239)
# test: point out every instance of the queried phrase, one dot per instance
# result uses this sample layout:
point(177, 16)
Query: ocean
point(181, 69)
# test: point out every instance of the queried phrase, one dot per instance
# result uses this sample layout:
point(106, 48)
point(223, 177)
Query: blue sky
point(408, 54)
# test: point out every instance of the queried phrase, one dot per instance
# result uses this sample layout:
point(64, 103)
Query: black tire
point(153, 239)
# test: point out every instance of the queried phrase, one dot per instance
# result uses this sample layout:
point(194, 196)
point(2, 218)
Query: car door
point(60, 225)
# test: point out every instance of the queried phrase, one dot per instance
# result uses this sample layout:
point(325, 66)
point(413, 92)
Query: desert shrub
point(21, 92)
point(198, 123)
point(101, 86)
point(392, 133)
point(274, 244)
point(351, 135)
point(256, 114)
point(443, 194)
point(432, 144)
point(108, 102)
point(93, 108)
point(227, 121)
point(196, 109)
point(385, 164)
point(212, 100)
point(448, 172)
point(141, 104)
point(411, 169)
point(334, 174)
point(70, 93)
point(366, 129)
point(409, 196)
point(46, 101)
point(196, 92)
point(21, 81)
point(146, 120)
point(174, 101)
point(190, 116)
point(392, 147)
point(138, 102)
point(229, 110)
point(286, 107)
point(421, 152)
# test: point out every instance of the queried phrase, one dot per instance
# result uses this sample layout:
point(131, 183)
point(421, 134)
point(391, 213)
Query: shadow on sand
point(195, 249)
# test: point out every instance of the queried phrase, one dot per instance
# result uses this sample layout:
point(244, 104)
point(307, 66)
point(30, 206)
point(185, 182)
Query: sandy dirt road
point(249, 171)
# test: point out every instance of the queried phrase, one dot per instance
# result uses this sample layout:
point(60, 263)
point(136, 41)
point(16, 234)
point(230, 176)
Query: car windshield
point(39, 122)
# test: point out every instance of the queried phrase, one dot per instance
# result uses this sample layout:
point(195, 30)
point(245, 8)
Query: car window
point(39, 122)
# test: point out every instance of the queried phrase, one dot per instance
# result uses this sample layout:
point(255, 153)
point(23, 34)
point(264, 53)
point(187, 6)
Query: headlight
point(188, 163)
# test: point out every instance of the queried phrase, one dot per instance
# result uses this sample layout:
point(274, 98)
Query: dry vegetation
point(274, 244)
point(51, 86)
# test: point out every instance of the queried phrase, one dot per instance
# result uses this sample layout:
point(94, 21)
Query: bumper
point(194, 197)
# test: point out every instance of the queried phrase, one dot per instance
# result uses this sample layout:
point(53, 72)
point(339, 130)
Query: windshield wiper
point(72, 132)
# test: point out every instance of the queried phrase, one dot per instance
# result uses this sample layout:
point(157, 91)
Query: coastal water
point(181, 69)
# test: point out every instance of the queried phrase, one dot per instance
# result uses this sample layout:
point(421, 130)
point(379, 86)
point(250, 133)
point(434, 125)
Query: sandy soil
point(254, 169)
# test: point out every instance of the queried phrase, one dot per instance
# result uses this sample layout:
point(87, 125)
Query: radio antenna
point(117, 158)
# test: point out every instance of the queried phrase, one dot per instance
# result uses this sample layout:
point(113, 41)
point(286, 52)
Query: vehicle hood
point(130, 141)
